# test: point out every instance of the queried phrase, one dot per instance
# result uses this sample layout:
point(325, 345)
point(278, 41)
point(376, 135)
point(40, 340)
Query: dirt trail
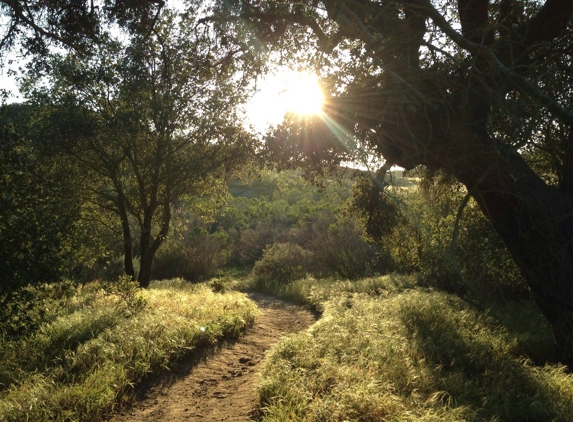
point(218, 385)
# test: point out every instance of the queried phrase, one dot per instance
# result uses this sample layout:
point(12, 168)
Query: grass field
point(81, 361)
point(385, 350)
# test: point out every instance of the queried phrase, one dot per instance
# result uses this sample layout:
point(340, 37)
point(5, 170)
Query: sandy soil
point(217, 385)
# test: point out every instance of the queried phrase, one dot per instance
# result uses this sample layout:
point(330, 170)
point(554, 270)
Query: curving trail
point(218, 385)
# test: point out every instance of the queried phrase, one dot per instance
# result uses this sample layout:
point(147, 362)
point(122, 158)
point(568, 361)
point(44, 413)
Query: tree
point(74, 24)
point(40, 204)
point(150, 121)
point(478, 88)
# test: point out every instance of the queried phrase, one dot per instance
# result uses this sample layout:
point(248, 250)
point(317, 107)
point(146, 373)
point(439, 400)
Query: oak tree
point(480, 89)
point(151, 121)
point(75, 24)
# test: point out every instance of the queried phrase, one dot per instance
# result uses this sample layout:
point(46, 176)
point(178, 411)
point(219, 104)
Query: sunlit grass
point(409, 355)
point(314, 292)
point(81, 364)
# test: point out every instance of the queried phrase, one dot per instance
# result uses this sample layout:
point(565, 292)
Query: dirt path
point(218, 385)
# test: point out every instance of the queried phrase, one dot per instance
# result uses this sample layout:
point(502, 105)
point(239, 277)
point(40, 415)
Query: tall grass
point(80, 364)
point(313, 292)
point(410, 355)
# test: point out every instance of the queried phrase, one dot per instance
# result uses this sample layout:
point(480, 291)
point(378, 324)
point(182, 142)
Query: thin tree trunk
point(146, 260)
point(149, 245)
point(127, 240)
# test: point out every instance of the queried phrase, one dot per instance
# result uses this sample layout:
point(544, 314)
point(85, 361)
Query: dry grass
point(410, 355)
point(82, 363)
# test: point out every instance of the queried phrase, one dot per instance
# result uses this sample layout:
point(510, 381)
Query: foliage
point(477, 264)
point(81, 359)
point(65, 23)
point(379, 211)
point(41, 223)
point(278, 207)
point(297, 212)
point(25, 309)
point(338, 248)
point(412, 355)
point(151, 121)
point(282, 263)
point(195, 257)
point(418, 226)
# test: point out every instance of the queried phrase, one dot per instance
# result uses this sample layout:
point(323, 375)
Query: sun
point(302, 94)
point(282, 92)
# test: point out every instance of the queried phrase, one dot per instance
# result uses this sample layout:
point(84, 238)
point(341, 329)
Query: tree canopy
point(151, 121)
point(75, 24)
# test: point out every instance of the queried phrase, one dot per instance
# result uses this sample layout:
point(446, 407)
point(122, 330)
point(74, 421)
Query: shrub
point(27, 308)
point(338, 249)
point(170, 261)
point(196, 257)
point(282, 263)
point(480, 264)
point(250, 244)
point(206, 254)
point(109, 268)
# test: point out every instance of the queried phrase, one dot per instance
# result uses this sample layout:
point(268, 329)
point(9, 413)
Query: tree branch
point(548, 23)
point(511, 77)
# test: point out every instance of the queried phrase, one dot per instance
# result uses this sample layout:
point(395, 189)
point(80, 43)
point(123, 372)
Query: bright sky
point(277, 93)
point(8, 82)
point(284, 91)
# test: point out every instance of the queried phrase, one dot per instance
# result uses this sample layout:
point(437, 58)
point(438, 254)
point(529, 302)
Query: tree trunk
point(146, 260)
point(128, 256)
point(144, 277)
point(148, 244)
point(536, 224)
point(534, 220)
point(125, 228)
point(127, 242)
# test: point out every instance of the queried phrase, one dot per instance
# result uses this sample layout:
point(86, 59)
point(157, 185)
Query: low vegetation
point(384, 350)
point(81, 349)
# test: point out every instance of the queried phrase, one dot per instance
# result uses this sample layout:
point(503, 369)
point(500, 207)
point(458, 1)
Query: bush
point(27, 308)
point(196, 257)
point(480, 265)
point(250, 244)
point(108, 268)
point(338, 249)
point(282, 263)
point(170, 261)
point(206, 255)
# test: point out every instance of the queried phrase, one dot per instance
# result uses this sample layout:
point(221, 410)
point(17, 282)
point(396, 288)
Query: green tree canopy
point(75, 24)
point(40, 204)
point(151, 120)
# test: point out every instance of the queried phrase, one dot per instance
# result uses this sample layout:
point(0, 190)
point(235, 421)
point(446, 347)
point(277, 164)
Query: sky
point(281, 91)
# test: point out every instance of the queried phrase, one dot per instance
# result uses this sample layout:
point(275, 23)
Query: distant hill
point(266, 185)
